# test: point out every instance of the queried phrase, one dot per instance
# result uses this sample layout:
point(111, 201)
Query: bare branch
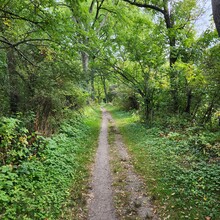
point(19, 17)
point(26, 41)
point(31, 40)
point(25, 58)
point(109, 10)
point(99, 6)
point(91, 6)
point(144, 5)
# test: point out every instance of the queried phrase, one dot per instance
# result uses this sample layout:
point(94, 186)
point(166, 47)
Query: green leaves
point(179, 164)
point(40, 185)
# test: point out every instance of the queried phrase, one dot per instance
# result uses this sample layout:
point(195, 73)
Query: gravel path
point(131, 201)
point(134, 203)
point(101, 205)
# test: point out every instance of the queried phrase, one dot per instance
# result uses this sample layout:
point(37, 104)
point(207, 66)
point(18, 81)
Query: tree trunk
point(13, 81)
point(174, 90)
point(208, 113)
point(216, 14)
point(92, 85)
point(196, 108)
point(85, 62)
point(172, 56)
point(169, 21)
point(189, 101)
point(147, 100)
point(105, 88)
point(147, 109)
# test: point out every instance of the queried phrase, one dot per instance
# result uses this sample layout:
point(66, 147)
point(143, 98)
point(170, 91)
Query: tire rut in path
point(101, 205)
point(138, 204)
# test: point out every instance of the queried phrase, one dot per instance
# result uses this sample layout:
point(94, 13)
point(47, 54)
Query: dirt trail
point(129, 191)
point(101, 205)
point(135, 203)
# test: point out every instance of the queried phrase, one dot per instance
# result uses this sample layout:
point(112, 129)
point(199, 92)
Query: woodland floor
point(116, 191)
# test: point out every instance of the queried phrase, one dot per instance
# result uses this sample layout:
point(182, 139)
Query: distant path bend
point(101, 206)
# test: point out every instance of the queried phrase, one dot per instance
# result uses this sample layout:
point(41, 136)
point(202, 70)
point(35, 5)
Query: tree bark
point(208, 113)
point(168, 17)
point(85, 61)
point(189, 101)
point(216, 14)
point(105, 88)
point(13, 81)
point(93, 84)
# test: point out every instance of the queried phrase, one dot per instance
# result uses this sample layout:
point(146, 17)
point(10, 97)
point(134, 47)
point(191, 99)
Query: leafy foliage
point(181, 166)
point(36, 178)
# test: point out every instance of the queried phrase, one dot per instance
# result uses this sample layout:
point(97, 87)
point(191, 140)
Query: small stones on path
point(116, 191)
point(130, 191)
point(101, 197)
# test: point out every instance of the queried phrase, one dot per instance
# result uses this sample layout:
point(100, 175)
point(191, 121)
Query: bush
point(17, 143)
point(127, 99)
point(36, 177)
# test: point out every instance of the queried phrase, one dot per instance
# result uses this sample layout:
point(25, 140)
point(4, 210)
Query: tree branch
point(144, 5)
point(25, 58)
point(30, 40)
point(98, 8)
point(19, 17)
point(5, 41)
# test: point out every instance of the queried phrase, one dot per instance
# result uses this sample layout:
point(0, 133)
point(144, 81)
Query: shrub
point(36, 174)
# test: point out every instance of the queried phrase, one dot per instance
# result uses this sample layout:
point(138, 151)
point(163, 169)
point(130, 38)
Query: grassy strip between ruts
point(121, 196)
point(49, 184)
point(183, 179)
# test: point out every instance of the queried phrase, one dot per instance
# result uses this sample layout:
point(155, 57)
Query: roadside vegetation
point(44, 178)
point(180, 165)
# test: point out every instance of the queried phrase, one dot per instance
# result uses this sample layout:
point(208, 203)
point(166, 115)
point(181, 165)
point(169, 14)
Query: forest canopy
point(55, 55)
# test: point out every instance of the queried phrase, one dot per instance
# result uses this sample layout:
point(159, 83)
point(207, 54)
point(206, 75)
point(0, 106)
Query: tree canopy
point(56, 52)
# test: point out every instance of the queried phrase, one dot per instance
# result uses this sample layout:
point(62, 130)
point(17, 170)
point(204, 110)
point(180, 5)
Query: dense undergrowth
point(38, 175)
point(180, 165)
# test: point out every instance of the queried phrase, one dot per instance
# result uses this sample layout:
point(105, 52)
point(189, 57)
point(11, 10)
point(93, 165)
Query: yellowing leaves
point(47, 53)
point(6, 22)
point(23, 140)
point(193, 76)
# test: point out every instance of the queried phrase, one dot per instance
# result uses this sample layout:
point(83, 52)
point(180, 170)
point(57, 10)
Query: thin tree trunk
point(189, 101)
point(92, 85)
point(85, 62)
point(13, 81)
point(196, 108)
point(208, 113)
point(169, 20)
point(105, 88)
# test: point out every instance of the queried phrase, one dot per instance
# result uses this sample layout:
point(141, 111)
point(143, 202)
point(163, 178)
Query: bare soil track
point(101, 205)
point(111, 183)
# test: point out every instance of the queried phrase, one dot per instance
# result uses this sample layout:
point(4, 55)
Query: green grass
point(179, 167)
point(75, 206)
